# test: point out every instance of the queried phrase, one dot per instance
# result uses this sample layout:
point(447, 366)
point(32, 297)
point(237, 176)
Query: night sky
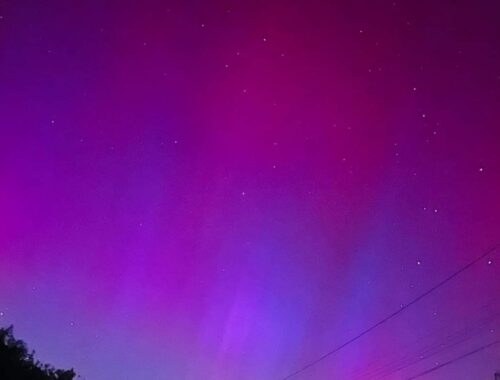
point(227, 190)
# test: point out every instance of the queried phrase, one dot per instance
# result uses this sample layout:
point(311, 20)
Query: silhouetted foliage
point(16, 363)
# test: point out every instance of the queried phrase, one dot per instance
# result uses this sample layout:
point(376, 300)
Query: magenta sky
point(226, 190)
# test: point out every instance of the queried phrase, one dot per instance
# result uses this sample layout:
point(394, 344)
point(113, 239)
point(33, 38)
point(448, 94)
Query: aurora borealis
point(225, 190)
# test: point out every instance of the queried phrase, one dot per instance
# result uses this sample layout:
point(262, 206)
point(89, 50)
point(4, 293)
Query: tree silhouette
point(17, 363)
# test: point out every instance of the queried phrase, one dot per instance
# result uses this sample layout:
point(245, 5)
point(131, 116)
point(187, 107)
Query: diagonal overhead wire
point(395, 313)
point(453, 341)
point(476, 324)
point(482, 348)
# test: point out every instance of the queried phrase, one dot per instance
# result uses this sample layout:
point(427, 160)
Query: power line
point(455, 360)
point(371, 371)
point(433, 353)
point(392, 315)
point(453, 341)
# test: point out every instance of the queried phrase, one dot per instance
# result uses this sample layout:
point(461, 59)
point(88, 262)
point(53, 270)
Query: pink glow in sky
point(226, 190)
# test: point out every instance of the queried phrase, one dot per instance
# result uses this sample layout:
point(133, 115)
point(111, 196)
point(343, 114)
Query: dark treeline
point(17, 363)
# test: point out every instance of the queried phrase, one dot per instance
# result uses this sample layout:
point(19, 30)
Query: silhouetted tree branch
point(17, 363)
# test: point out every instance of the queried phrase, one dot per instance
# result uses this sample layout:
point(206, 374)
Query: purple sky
point(226, 190)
